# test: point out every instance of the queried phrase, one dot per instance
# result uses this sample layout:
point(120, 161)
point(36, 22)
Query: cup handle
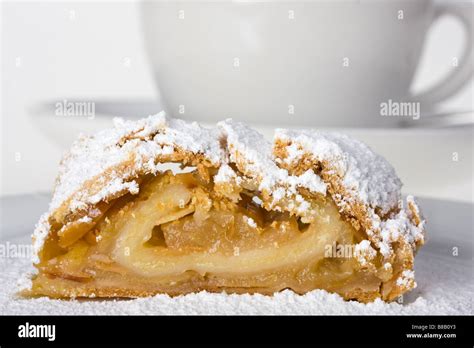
point(463, 72)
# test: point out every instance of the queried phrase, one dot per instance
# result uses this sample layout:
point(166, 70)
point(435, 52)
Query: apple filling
point(180, 235)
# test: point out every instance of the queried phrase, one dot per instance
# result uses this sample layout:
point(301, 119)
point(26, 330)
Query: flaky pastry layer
point(287, 176)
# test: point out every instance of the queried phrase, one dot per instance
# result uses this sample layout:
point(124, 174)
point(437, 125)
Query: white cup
point(308, 63)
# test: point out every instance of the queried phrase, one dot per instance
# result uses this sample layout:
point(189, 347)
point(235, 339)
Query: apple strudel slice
point(165, 206)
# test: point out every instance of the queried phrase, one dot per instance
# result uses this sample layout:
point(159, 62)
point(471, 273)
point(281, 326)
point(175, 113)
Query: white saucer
point(422, 157)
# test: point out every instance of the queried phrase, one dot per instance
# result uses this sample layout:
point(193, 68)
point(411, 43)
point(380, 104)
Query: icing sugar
point(365, 174)
point(226, 174)
point(252, 154)
point(143, 140)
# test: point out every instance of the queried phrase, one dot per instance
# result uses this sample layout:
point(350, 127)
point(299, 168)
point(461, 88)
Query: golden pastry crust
point(288, 176)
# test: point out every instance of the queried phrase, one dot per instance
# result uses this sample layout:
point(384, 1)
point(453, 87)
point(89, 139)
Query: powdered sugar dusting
point(252, 154)
point(399, 225)
point(139, 141)
point(364, 252)
point(366, 174)
point(226, 174)
point(250, 147)
point(39, 236)
point(406, 277)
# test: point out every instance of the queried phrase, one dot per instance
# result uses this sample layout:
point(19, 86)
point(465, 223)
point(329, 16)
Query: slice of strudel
point(164, 206)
